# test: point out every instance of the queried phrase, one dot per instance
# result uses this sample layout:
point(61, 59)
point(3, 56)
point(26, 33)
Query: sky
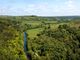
point(40, 7)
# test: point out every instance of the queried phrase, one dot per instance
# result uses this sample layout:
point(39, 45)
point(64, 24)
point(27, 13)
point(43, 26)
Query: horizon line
point(42, 15)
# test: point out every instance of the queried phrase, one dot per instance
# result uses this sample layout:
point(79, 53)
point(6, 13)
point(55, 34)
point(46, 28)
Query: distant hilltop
point(35, 17)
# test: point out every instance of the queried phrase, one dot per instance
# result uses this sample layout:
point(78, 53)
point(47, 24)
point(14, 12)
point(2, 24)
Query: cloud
point(70, 4)
point(67, 7)
point(70, 7)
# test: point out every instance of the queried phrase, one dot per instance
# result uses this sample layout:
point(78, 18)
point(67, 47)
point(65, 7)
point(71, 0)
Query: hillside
point(49, 38)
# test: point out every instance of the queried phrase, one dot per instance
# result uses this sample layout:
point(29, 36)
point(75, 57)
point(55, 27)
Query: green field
point(33, 32)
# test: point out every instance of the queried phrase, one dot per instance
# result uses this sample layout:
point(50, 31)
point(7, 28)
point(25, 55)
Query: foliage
point(49, 38)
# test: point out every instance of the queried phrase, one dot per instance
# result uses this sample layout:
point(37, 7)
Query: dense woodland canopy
point(49, 38)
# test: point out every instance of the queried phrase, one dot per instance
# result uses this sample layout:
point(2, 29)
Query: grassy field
point(33, 32)
point(53, 25)
point(32, 22)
